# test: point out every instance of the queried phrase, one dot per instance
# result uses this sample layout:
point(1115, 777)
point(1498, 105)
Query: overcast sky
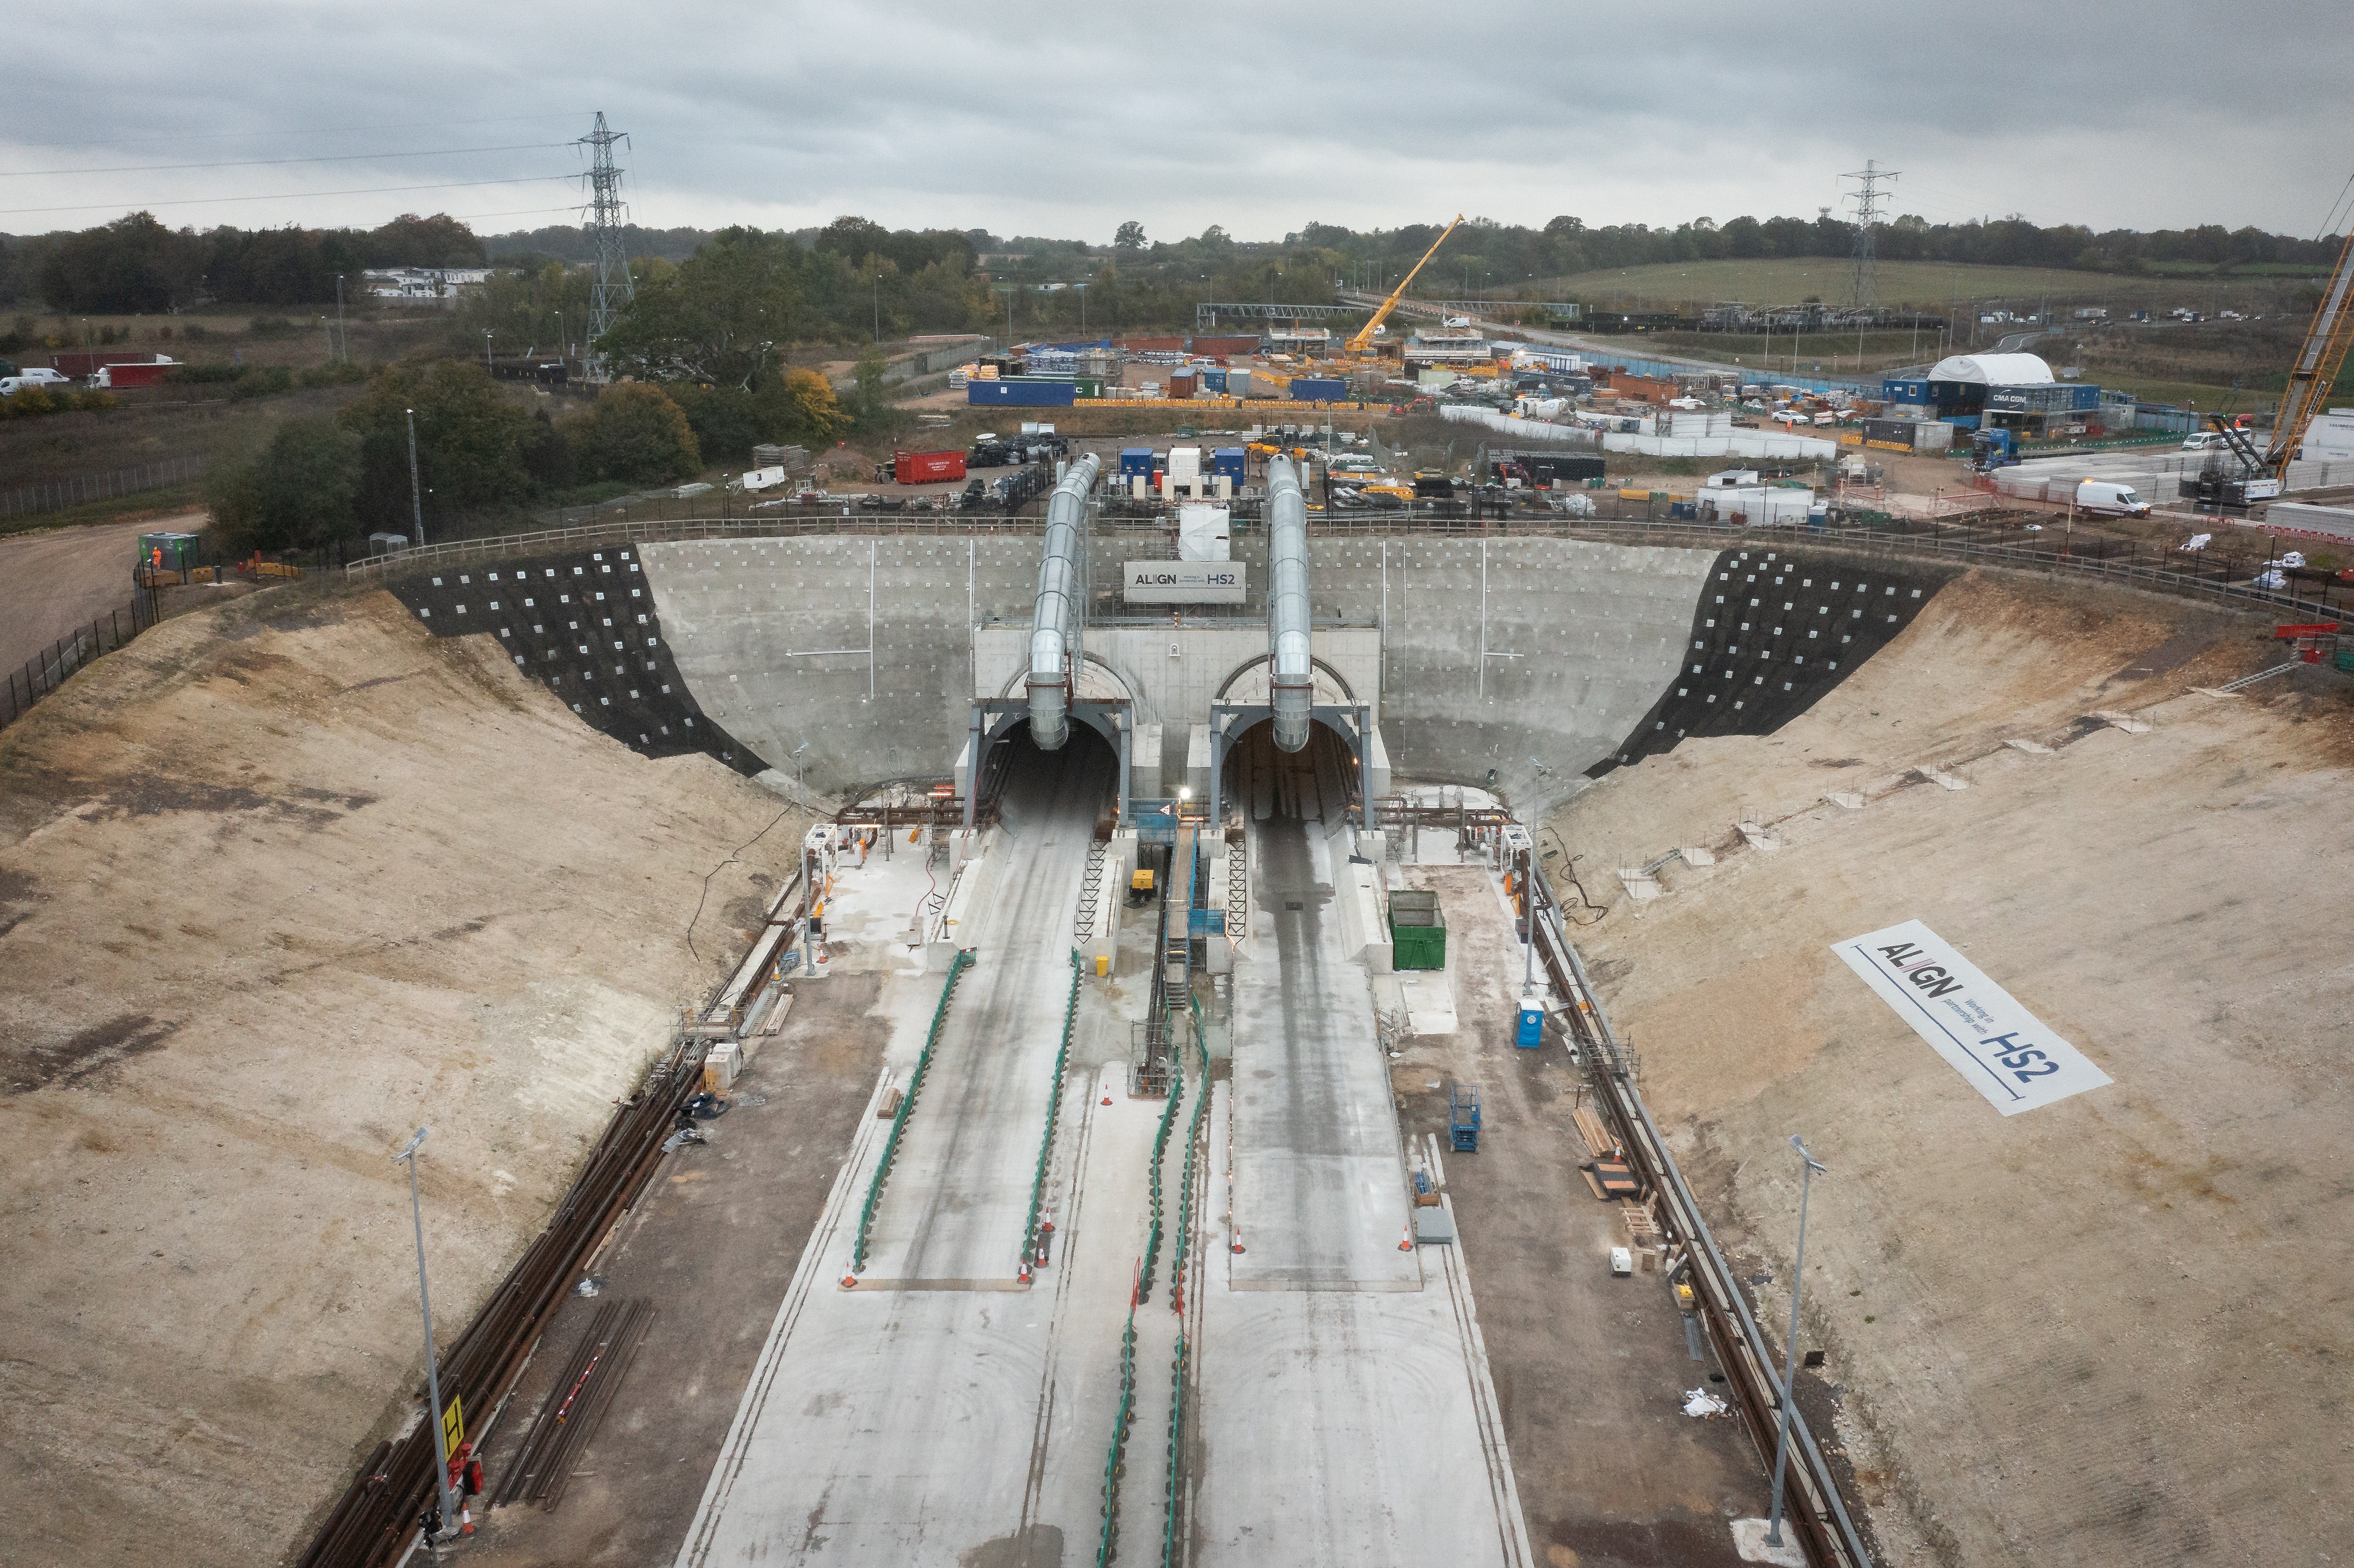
point(1066, 119)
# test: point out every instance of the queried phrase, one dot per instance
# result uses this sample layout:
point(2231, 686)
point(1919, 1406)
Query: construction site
point(1245, 949)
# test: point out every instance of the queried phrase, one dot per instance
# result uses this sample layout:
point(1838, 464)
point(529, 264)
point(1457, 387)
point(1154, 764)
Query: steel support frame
point(992, 716)
point(1353, 721)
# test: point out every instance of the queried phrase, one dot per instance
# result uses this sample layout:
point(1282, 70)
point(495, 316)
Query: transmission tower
point(1863, 290)
point(610, 290)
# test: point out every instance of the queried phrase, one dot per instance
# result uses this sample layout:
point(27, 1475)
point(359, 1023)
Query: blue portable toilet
point(1531, 1033)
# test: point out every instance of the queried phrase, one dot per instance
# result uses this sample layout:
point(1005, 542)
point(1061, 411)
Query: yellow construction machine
point(1360, 347)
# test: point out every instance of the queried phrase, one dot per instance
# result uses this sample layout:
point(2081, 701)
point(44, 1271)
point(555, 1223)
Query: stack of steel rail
point(1816, 1511)
point(378, 1514)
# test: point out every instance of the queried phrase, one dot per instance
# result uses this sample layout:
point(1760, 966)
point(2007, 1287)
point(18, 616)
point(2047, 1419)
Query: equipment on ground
point(1463, 1118)
point(1417, 930)
point(1139, 889)
point(1530, 1032)
point(1361, 345)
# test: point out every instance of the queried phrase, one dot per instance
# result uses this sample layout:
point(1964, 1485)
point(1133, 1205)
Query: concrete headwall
point(1534, 658)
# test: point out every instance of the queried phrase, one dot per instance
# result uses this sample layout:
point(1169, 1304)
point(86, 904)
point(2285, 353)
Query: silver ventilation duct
point(1054, 626)
point(1292, 675)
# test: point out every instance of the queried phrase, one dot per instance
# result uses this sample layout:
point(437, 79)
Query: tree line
point(138, 266)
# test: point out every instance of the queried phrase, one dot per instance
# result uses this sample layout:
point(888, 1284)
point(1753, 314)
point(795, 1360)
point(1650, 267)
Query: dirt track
point(2114, 1329)
point(56, 581)
point(279, 882)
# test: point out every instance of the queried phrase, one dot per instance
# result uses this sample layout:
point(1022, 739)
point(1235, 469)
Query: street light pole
point(1790, 1357)
point(878, 307)
point(416, 496)
point(433, 1367)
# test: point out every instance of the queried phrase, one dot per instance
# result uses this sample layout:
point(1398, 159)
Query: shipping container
point(1022, 394)
point(1230, 461)
point(1318, 389)
point(927, 467)
point(1214, 381)
point(1181, 384)
point(1135, 462)
point(1224, 345)
point(81, 362)
point(1246, 384)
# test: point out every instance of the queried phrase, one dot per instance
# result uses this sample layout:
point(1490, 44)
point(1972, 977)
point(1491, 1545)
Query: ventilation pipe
point(1291, 676)
point(1054, 625)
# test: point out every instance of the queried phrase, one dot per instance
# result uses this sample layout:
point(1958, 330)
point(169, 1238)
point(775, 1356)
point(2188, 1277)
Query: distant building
point(423, 282)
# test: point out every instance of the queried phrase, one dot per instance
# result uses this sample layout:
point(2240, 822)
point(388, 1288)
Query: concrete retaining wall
point(1534, 657)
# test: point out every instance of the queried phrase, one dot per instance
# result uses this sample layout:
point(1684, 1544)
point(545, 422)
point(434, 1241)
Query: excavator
point(2310, 380)
point(1360, 347)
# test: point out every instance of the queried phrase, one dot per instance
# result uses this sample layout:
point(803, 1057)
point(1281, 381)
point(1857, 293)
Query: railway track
point(1811, 1500)
point(378, 1514)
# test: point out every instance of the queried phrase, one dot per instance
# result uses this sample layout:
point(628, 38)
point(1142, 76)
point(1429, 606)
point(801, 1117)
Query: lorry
point(1992, 449)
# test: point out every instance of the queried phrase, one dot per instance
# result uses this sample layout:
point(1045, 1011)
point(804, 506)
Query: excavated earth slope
point(279, 882)
point(2114, 1329)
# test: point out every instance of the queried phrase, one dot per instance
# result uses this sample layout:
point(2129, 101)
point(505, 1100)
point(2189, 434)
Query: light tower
point(1863, 290)
point(610, 290)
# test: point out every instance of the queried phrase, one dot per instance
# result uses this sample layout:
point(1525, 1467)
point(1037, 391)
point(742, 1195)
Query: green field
point(1934, 286)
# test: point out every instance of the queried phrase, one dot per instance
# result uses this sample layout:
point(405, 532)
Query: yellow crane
point(2318, 360)
point(1361, 344)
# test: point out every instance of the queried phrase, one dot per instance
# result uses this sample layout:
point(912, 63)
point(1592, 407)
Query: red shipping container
point(1154, 344)
point(1181, 384)
point(79, 362)
point(1207, 344)
point(927, 467)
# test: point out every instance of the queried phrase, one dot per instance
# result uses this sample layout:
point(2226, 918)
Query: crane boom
point(2317, 364)
point(1364, 337)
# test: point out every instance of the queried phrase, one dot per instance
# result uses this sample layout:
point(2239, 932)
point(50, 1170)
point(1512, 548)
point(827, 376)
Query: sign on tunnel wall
point(2006, 1051)
point(1183, 582)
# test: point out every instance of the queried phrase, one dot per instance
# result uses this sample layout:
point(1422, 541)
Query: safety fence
point(46, 670)
point(1034, 1243)
point(76, 490)
point(1173, 1498)
point(957, 966)
point(1160, 1149)
point(1116, 1461)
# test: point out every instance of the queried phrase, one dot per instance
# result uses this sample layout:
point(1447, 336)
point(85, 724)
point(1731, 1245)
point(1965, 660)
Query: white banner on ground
point(2004, 1051)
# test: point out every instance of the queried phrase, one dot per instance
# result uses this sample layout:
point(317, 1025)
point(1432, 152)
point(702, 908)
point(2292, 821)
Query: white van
point(2118, 500)
point(2201, 440)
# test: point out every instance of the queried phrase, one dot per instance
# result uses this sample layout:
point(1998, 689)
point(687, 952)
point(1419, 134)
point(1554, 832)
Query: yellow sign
point(453, 1426)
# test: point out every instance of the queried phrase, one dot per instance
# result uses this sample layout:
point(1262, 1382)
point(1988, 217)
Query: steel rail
point(1812, 1501)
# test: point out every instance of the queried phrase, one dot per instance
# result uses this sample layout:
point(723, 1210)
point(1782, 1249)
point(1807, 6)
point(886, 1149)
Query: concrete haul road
point(1347, 1414)
point(892, 1425)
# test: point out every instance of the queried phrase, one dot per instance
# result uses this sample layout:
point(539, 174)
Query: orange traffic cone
point(1106, 1099)
point(849, 1281)
point(1238, 1241)
point(1405, 1236)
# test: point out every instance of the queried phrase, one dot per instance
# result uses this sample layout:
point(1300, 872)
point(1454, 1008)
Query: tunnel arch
point(1248, 682)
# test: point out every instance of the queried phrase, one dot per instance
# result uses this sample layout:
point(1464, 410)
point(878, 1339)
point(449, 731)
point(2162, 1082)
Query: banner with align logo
point(2006, 1051)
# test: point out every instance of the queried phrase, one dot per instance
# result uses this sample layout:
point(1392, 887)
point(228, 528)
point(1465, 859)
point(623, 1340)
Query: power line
point(265, 162)
point(285, 196)
point(292, 130)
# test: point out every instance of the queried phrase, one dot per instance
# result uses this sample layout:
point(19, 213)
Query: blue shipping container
point(1228, 461)
point(1214, 381)
point(1894, 389)
point(1021, 393)
point(1318, 389)
point(1136, 461)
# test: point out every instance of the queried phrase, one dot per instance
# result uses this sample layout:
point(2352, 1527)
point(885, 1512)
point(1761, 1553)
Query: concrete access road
point(910, 1419)
point(1344, 1399)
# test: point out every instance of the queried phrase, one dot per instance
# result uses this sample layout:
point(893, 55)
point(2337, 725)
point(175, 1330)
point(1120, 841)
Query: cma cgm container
point(1318, 389)
point(927, 467)
point(1022, 394)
